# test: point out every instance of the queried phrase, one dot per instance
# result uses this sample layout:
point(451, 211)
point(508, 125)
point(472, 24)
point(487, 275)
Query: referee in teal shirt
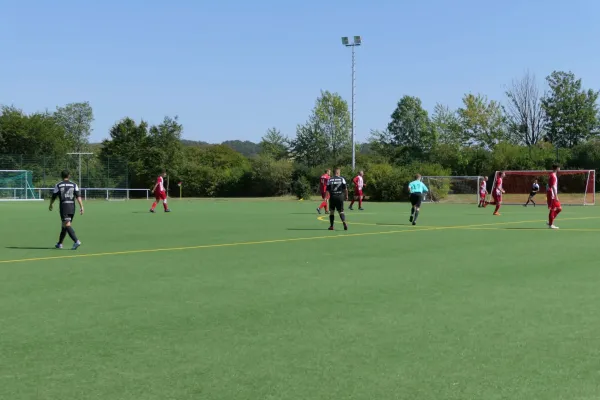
point(417, 189)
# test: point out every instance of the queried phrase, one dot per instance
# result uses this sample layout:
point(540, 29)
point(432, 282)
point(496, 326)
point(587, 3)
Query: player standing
point(359, 183)
point(417, 188)
point(497, 193)
point(67, 191)
point(552, 197)
point(159, 192)
point(534, 189)
point(483, 192)
point(323, 189)
point(338, 193)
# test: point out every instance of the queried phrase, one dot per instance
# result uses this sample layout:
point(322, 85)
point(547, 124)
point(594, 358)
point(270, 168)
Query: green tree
point(274, 144)
point(482, 121)
point(409, 135)
point(327, 131)
point(447, 126)
point(129, 142)
point(571, 112)
point(36, 134)
point(76, 119)
point(165, 149)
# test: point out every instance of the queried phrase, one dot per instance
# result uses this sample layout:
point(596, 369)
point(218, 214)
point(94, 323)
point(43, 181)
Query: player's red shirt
point(358, 182)
point(160, 187)
point(552, 183)
point(498, 187)
point(323, 183)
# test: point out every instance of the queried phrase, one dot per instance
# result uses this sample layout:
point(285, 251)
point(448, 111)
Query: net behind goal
point(575, 187)
point(452, 189)
point(17, 185)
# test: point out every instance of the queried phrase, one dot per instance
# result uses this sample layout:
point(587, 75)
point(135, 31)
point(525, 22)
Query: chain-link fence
point(88, 171)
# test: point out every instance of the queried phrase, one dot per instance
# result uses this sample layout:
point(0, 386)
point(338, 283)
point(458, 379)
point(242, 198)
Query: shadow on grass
point(388, 224)
point(527, 229)
point(307, 213)
point(306, 229)
point(30, 248)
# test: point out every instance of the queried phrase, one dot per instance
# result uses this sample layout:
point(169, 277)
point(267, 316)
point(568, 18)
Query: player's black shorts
point(66, 217)
point(416, 199)
point(532, 194)
point(336, 204)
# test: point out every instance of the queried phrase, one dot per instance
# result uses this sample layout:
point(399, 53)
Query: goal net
point(575, 187)
point(17, 185)
point(452, 189)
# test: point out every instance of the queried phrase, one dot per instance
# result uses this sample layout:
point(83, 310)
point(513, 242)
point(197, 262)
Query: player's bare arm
point(346, 194)
point(80, 205)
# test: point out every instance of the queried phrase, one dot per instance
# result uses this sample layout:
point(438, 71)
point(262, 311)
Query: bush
point(301, 188)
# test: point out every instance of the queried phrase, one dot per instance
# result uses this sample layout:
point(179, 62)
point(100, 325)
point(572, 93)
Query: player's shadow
point(306, 229)
point(30, 248)
point(304, 213)
point(525, 229)
point(141, 212)
point(388, 224)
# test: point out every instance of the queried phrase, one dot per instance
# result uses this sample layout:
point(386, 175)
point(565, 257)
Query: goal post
point(452, 189)
point(17, 185)
point(575, 187)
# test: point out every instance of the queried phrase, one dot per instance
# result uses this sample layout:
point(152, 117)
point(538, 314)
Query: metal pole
point(79, 168)
point(352, 115)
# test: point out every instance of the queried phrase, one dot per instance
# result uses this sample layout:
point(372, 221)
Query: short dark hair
point(555, 166)
point(65, 174)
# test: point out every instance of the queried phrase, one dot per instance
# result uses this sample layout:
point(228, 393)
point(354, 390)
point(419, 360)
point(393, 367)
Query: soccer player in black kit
point(338, 193)
point(67, 191)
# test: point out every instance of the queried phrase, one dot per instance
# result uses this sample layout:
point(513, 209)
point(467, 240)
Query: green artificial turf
point(257, 300)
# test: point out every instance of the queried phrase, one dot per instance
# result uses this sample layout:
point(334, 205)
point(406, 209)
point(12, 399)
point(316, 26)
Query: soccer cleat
point(168, 210)
point(496, 213)
point(326, 212)
point(152, 211)
point(552, 226)
point(330, 228)
point(350, 208)
point(345, 226)
point(58, 245)
point(414, 223)
point(76, 245)
point(361, 209)
point(318, 210)
point(410, 219)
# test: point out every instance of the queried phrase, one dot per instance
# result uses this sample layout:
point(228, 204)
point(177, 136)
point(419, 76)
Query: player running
point(159, 192)
point(323, 189)
point(359, 183)
point(67, 191)
point(338, 193)
point(417, 188)
point(534, 189)
point(483, 192)
point(552, 197)
point(497, 193)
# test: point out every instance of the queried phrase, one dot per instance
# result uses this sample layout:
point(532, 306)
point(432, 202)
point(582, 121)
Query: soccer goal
point(452, 189)
point(575, 187)
point(17, 185)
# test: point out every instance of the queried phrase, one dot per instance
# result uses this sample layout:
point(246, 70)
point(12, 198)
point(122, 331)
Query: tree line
point(527, 129)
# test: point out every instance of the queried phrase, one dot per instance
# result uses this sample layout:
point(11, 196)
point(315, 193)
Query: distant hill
point(245, 147)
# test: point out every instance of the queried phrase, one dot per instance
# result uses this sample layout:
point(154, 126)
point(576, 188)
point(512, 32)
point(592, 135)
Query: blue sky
point(231, 69)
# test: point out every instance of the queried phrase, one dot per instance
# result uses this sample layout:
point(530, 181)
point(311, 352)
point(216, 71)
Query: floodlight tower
point(357, 42)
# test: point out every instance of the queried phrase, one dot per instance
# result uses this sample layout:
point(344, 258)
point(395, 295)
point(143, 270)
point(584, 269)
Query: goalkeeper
point(534, 189)
point(417, 188)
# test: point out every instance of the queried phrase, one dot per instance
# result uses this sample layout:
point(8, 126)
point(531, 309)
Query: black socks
point(71, 233)
point(416, 216)
point(331, 218)
point(63, 233)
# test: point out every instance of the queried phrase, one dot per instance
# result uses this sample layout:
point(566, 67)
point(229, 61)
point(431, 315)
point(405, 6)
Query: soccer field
point(243, 299)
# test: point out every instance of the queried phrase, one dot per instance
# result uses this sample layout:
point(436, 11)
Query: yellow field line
point(289, 240)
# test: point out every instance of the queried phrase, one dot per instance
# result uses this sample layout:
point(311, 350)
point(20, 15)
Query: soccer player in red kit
point(552, 197)
point(359, 183)
point(497, 192)
point(483, 192)
point(324, 193)
point(159, 192)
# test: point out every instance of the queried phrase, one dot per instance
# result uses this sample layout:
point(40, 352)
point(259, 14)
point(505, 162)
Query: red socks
point(553, 214)
point(153, 206)
point(323, 205)
point(497, 208)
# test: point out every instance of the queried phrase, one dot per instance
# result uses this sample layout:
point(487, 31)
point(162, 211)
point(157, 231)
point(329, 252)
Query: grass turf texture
point(463, 306)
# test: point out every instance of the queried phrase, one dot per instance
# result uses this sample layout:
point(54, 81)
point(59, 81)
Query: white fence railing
point(19, 193)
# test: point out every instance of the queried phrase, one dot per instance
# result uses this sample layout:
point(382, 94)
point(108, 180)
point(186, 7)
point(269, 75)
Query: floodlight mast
point(79, 154)
point(356, 42)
